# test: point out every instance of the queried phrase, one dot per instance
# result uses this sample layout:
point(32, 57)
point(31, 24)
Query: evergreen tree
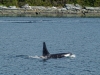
point(49, 2)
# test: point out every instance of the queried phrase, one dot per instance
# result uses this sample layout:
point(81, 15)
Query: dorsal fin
point(45, 51)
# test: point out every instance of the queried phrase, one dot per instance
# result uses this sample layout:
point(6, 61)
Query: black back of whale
point(48, 55)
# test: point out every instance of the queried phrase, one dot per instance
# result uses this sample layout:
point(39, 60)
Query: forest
point(59, 3)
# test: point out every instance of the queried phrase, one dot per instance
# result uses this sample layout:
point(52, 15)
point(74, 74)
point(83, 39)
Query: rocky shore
point(69, 10)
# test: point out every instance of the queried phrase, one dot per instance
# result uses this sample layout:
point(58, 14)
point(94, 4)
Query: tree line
point(20, 3)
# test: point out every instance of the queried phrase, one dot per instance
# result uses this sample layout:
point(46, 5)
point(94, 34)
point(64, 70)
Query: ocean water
point(21, 40)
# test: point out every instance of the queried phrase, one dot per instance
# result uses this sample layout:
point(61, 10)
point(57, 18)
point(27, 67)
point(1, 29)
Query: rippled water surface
point(21, 41)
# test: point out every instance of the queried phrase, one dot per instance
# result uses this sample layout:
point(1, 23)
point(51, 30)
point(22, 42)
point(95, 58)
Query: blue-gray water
point(21, 37)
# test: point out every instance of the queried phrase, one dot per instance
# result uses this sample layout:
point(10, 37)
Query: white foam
point(37, 57)
point(73, 56)
point(43, 57)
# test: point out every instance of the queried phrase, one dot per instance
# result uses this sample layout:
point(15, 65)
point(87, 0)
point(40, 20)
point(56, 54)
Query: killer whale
point(47, 55)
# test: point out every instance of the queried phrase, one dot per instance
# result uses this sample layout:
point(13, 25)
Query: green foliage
point(49, 2)
point(9, 2)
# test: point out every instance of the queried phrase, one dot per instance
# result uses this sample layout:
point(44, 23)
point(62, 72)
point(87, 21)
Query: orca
point(47, 55)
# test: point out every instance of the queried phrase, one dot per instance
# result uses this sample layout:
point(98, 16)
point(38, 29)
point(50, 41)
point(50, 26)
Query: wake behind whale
point(28, 56)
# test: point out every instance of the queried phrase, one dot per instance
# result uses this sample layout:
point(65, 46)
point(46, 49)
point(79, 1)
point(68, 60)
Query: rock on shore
point(69, 10)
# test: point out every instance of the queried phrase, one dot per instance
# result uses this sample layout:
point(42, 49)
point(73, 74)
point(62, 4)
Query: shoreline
point(40, 11)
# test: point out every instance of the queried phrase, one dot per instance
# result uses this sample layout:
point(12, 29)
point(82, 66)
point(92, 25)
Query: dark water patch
point(23, 56)
point(18, 21)
point(25, 21)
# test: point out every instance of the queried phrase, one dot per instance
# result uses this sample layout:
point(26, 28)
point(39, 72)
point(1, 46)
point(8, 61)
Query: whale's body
point(47, 55)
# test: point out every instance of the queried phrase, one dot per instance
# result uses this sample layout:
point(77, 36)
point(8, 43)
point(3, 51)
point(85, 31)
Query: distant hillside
point(20, 3)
